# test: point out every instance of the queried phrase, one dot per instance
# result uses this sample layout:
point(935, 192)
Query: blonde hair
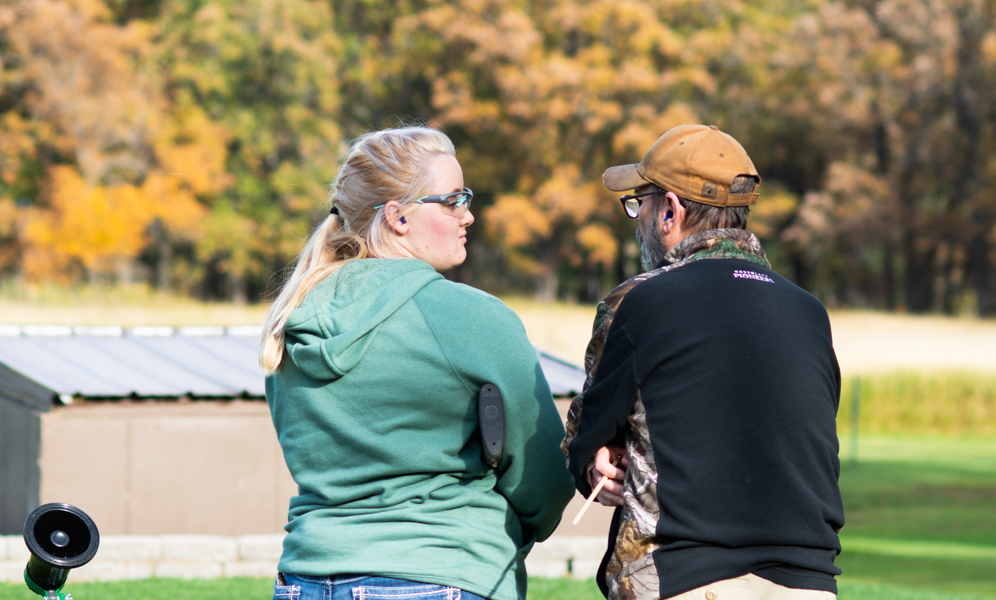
point(380, 166)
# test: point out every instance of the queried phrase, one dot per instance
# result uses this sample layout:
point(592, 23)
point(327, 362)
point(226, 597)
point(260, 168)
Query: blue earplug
point(402, 220)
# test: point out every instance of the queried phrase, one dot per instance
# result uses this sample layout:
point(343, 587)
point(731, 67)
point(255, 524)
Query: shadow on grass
point(852, 591)
point(922, 501)
point(934, 575)
point(937, 499)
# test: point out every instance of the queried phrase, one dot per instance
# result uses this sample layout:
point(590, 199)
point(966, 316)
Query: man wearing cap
point(711, 396)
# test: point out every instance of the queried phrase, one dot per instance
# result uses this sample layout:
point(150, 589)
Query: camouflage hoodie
point(630, 571)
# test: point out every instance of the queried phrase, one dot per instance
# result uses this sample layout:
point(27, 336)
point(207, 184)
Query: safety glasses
point(455, 203)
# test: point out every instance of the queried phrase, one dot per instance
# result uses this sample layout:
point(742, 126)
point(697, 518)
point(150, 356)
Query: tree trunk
point(164, 260)
point(239, 288)
point(548, 281)
point(951, 288)
point(800, 269)
point(969, 89)
point(621, 268)
point(920, 275)
point(213, 281)
point(889, 275)
point(125, 270)
point(981, 273)
point(546, 286)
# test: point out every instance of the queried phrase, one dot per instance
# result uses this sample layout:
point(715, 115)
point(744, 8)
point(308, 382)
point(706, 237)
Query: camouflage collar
point(717, 243)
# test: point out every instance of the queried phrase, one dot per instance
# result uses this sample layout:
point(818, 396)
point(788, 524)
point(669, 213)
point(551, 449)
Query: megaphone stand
point(60, 537)
point(47, 594)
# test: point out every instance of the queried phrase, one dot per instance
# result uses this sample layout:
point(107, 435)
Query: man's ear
point(673, 217)
point(392, 215)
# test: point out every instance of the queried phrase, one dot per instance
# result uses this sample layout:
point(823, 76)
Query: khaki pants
point(751, 587)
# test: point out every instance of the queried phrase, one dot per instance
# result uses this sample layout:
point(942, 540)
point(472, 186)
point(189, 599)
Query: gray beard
point(651, 246)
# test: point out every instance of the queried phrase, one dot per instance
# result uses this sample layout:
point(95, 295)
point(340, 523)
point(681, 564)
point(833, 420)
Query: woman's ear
point(392, 215)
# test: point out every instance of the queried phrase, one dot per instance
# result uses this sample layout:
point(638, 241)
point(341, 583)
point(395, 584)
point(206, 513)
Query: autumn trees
point(187, 143)
point(905, 92)
point(190, 141)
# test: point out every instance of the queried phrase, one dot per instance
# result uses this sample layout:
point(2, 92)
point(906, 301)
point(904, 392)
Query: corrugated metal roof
point(114, 362)
point(565, 378)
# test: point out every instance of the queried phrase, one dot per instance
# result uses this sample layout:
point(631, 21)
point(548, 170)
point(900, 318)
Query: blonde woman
point(374, 363)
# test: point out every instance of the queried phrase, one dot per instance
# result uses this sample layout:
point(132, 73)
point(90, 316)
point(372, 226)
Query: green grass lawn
point(921, 513)
point(539, 589)
point(921, 525)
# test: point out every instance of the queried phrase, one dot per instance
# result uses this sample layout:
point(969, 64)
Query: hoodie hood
point(332, 329)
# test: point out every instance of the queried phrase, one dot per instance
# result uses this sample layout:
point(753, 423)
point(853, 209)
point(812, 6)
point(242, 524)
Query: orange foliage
point(92, 225)
point(98, 227)
point(175, 207)
point(599, 242)
point(193, 150)
point(216, 124)
point(86, 82)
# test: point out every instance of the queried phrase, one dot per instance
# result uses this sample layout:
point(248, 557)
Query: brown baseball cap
point(696, 162)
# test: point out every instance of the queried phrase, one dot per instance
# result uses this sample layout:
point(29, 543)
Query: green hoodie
point(375, 407)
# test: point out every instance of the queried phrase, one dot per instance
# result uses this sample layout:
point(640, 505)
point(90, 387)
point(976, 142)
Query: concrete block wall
point(123, 557)
point(576, 556)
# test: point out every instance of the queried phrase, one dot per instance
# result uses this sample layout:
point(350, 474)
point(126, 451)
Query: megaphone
point(60, 537)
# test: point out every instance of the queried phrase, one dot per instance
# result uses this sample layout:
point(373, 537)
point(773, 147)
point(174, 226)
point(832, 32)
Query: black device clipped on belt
point(491, 413)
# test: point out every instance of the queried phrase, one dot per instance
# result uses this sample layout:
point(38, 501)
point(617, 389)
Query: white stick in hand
point(591, 498)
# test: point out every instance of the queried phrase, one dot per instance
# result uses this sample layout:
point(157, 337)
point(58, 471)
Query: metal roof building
point(177, 392)
point(38, 363)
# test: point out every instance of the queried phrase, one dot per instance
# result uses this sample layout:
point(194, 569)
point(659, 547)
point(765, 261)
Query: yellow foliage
point(645, 125)
point(194, 151)
point(565, 196)
point(86, 81)
point(859, 106)
point(564, 206)
point(176, 208)
point(8, 217)
point(100, 226)
point(598, 241)
point(93, 225)
point(771, 211)
point(989, 47)
point(232, 236)
point(516, 220)
point(95, 10)
point(17, 141)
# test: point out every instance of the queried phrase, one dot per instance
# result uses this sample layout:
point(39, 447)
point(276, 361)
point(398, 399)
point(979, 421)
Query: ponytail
point(380, 166)
point(328, 250)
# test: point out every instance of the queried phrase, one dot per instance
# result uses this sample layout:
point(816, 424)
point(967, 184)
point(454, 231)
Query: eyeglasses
point(631, 203)
point(454, 203)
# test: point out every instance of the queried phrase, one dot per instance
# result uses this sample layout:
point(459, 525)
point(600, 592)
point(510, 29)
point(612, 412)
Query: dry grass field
point(918, 374)
point(125, 307)
point(866, 342)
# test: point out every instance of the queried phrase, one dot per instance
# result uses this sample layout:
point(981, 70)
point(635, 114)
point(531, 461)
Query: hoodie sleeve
point(485, 342)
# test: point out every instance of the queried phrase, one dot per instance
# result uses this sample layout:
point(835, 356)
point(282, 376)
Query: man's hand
point(604, 463)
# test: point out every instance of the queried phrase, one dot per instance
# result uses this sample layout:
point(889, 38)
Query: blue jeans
point(362, 587)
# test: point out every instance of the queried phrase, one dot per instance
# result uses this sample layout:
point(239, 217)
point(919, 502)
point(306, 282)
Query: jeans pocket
point(285, 592)
point(414, 591)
